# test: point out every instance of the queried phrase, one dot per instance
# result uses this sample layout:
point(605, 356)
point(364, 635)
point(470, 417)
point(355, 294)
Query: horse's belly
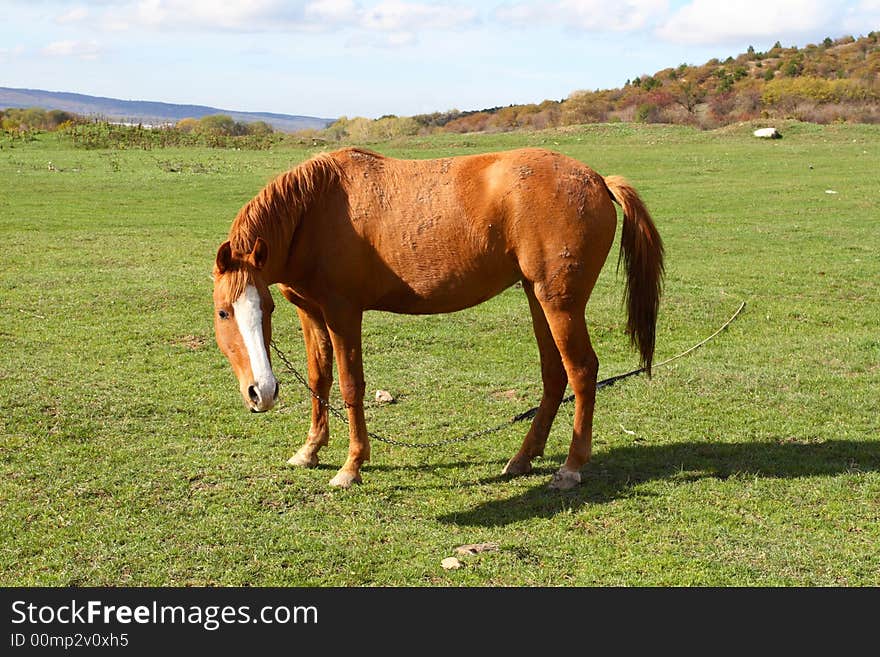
point(442, 291)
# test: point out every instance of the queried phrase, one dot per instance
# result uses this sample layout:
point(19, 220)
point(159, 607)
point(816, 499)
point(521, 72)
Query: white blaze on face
point(249, 317)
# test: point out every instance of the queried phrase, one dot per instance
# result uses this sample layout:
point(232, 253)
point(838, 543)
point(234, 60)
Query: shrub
point(721, 105)
point(816, 89)
point(650, 83)
point(259, 128)
point(35, 118)
point(792, 68)
point(585, 107)
point(220, 125)
point(647, 113)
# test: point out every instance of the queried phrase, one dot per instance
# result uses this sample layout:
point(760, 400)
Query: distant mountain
point(140, 111)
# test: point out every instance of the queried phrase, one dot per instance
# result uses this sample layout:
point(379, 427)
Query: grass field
point(128, 459)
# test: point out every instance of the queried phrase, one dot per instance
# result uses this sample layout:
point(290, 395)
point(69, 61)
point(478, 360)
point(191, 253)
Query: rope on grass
point(525, 415)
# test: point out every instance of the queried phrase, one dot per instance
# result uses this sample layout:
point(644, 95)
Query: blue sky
point(367, 58)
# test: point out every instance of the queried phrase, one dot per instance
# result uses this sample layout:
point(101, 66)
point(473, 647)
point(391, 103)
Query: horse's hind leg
point(554, 379)
point(319, 352)
point(569, 331)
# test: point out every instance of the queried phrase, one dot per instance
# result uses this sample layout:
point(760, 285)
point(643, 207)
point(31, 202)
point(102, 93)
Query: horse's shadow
point(616, 473)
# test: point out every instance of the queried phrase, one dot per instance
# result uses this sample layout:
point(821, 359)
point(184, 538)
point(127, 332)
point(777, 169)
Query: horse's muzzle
point(262, 398)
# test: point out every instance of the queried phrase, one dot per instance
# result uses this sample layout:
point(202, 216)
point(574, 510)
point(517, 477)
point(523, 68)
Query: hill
point(836, 80)
point(147, 112)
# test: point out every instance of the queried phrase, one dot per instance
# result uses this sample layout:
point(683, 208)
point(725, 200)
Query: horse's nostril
point(252, 393)
point(275, 396)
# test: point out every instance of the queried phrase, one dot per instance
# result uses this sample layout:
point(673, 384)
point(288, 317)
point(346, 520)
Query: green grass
point(127, 457)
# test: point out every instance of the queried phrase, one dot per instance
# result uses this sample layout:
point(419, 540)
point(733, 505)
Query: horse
point(352, 230)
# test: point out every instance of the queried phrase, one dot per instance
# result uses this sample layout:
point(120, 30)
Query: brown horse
point(351, 230)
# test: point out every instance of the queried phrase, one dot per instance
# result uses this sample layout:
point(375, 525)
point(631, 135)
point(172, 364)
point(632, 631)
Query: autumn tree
point(585, 107)
point(687, 94)
point(187, 125)
point(259, 128)
point(221, 125)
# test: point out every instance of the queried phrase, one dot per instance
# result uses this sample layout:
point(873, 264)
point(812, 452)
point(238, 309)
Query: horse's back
point(527, 192)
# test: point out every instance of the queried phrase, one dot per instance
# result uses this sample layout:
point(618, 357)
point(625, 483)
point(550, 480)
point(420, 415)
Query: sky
point(330, 58)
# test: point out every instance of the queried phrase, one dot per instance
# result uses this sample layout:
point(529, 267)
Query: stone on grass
point(384, 397)
point(767, 133)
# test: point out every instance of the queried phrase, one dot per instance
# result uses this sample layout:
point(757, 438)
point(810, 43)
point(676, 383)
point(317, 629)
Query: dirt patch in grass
point(194, 342)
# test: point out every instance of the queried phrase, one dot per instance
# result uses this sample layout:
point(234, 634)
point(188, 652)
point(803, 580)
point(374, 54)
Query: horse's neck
point(277, 231)
point(279, 226)
point(279, 251)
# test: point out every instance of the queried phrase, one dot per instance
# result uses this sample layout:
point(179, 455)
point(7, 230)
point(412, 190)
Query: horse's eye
point(223, 314)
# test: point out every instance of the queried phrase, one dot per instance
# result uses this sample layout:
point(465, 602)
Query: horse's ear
point(260, 253)
point(224, 258)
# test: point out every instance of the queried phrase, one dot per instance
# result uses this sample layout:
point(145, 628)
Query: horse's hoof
point(565, 479)
point(301, 460)
point(344, 479)
point(517, 466)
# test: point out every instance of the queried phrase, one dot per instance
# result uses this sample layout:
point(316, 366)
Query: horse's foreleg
point(345, 333)
point(319, 352)
point(554, 379)
point(569, 331)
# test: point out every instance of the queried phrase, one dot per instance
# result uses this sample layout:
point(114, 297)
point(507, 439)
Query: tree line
point(216, 130)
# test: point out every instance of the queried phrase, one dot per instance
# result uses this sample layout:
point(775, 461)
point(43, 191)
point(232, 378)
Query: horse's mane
point(275, 211)
point(277, 208)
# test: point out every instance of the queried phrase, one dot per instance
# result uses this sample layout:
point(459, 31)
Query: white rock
point(450, 563)
point(767, 133)
point(384, 397)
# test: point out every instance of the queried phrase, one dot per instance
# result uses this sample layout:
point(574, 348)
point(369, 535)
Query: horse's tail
point(641, 250)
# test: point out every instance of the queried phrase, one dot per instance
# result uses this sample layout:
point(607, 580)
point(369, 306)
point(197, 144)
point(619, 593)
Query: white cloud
point(74, 15)
point(391, 18)
point(711, 22)
point(8, 54)
point(331, 11)
point(382, 24)
point(399, 39)
point(82, 49)
point(863, 18)
point(381, 40)
point(397, 16)
point(707, 22)
point(239, 15)
point(586, 15)
point(190, 15)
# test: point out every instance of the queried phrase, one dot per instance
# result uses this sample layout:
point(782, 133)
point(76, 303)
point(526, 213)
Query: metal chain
point(525, 415)
point(340, 414)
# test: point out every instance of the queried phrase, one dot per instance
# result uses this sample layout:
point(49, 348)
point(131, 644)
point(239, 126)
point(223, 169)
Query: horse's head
point(243, 322)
